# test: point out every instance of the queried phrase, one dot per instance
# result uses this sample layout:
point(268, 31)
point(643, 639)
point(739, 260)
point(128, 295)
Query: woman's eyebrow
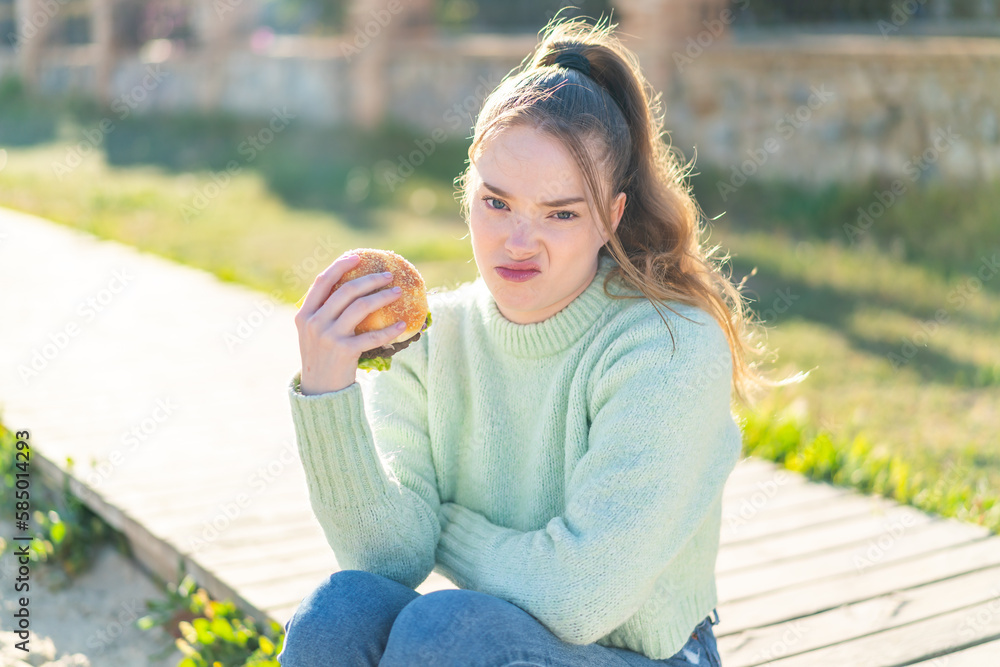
point(549, 204)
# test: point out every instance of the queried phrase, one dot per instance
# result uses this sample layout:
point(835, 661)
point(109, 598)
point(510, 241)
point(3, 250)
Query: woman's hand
point(330, 351)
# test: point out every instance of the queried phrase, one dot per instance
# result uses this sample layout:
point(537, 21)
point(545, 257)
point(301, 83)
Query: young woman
point(557, 442)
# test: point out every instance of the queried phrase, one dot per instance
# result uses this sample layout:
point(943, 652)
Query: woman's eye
point(569, 215)
point(489, 202)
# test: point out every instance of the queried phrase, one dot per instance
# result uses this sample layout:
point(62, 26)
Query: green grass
point(858, 312)
point(948, 486)
point(246, 234)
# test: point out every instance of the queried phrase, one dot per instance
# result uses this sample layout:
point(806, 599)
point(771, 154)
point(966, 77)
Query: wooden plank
point(258, 575)
point(849, 622)
point(219, 558)
point(816, 539)
point(789, 499)
point(246, 530)
point(255, 572)
point(923, 640)
point(752, 469)
point(238, 536)
point(768, 526)
point(983, 655)
point(195, 493)
point(223, 519)
point(845, 561)
point(792, 603)
point(762, 478)
point(435, 582)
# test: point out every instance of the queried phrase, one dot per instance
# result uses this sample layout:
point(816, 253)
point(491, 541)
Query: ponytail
point(583, 87)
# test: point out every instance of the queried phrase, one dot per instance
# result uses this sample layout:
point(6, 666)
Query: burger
point(411, 306)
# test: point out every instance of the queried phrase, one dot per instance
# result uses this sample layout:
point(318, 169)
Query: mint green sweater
point(573, 467)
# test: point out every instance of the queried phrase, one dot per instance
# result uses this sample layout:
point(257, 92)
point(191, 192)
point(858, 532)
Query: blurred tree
point(846, 11)
point(165, 19)
point(34, 23)
point(790, 11)
point(512, 16)
point(306, 17)
point(8, 28)
point(105, 44)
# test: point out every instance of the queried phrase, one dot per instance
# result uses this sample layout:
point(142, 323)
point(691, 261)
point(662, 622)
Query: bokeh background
point(846, 155)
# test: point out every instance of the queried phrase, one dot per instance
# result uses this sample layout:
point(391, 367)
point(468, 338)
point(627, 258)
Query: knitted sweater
point(573, 467)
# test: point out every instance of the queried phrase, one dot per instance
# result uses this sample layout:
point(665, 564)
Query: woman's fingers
point(364, 306)
point(327, 320)
point(353, 290)
point(372, 339)
point(324, 282)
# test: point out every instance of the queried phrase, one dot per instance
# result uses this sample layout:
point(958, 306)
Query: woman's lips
point(516, 276)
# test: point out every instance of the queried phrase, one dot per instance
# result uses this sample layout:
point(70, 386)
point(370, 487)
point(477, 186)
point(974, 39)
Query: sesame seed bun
point(411, 306)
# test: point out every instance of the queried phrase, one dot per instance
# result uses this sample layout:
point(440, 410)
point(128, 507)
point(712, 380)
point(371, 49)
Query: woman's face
point(534, 237)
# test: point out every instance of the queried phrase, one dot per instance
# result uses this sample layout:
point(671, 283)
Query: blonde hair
point(658, 243)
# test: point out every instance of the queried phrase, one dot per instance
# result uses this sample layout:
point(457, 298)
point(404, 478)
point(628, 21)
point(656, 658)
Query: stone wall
point(830, 108)
point(842, 108)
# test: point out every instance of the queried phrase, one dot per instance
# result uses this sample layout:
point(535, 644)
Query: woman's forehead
point(525, 161)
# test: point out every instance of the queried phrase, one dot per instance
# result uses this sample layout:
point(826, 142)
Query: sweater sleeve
point(662, 442)
point(372, 485)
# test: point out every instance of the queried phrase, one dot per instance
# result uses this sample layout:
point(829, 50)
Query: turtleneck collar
point(551, 335)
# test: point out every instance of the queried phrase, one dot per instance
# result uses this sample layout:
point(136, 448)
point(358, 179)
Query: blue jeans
point(359, 619)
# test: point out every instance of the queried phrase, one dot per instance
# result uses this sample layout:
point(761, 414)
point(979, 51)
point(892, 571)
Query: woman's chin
point(513, 309)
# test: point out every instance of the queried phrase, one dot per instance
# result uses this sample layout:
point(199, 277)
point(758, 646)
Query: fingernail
point(387, 274)
point(396, 290)
point(400, 325)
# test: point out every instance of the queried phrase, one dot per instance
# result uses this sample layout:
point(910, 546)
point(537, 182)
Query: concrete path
point(167, 388)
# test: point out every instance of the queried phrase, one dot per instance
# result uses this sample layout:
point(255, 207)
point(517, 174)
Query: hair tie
point(573, 60)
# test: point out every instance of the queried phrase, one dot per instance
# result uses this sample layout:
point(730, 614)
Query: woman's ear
point(617, 210)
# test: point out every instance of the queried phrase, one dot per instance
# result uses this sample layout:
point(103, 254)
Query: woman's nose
point(521, 236)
